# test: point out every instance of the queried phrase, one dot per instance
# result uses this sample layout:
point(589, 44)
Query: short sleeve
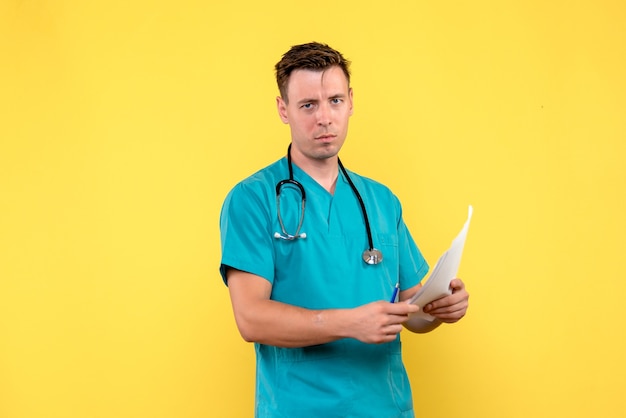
point(245, 229)
point(413, 265)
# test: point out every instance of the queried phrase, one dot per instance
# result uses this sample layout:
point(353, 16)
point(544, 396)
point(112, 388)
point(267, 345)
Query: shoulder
point(260, 184)
point(377, 196)
point(371, 186)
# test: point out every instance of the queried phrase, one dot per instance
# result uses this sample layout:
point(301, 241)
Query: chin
point(326, 151)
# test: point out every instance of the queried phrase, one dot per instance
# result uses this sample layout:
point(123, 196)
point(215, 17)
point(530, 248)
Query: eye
point(307, 106)
point(336, 100)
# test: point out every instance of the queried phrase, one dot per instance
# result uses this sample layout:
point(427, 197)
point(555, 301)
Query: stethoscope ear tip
point(288, 237)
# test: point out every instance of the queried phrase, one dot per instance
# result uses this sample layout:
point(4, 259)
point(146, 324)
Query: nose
point(324, 114)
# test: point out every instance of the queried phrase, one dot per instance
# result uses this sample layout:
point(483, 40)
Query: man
point(303, 290)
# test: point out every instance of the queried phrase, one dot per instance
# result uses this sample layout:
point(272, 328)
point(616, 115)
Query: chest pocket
point(386, 240)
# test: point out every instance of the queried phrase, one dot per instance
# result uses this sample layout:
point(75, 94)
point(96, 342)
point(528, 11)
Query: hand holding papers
point(438, 283)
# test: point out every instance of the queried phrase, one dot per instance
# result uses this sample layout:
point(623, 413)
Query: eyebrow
point(334, 96)
point(338, 96)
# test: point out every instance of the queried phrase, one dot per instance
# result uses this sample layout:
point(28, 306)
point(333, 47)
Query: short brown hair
point(312, 56)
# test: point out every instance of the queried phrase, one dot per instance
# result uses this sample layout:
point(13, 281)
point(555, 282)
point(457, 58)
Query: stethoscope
point(370, 255)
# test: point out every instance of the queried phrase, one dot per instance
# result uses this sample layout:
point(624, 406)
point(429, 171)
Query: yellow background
point(124, 124)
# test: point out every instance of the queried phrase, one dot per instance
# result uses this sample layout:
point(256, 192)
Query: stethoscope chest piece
point(372, 256)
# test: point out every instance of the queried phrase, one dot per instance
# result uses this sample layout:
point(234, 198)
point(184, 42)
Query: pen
point(395, 293)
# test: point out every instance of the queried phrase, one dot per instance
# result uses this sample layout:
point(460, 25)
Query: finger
point(439, 303)
point(449, 309)
point(457, 296)
point(393, 329)
point(447, 304)
point(398, 319)
point(403, 308)
point(451, 312)
point(457, 284)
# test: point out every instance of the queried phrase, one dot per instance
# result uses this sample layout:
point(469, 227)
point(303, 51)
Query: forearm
point(263, 320)
point(278, 324)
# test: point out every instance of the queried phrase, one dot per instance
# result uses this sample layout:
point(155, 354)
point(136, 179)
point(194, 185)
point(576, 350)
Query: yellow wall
point(123, 125)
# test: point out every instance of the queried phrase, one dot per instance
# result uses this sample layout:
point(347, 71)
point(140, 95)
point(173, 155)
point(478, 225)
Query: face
point(317, 112)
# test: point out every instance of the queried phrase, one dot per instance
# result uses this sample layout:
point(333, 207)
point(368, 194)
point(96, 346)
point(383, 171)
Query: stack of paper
point(438, 283)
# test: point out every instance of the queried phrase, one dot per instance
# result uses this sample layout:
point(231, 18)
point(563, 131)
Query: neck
point(327, 179)
point(324, 170)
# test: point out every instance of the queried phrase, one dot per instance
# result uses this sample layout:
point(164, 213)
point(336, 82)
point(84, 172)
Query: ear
point(282, 109)
point(351, 101)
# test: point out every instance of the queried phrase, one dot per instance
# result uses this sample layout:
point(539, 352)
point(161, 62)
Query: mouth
point(325, 137)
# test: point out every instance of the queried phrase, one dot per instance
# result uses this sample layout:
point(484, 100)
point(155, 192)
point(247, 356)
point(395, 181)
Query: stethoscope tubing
point(368, 230)
point(370, 256)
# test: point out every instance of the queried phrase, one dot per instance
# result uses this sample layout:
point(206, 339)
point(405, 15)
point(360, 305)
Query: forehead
point(329, 82)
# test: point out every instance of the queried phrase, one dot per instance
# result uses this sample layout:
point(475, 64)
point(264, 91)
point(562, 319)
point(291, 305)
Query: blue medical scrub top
point(344, 378)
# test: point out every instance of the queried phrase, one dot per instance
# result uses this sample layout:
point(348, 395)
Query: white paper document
point(438, 283)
